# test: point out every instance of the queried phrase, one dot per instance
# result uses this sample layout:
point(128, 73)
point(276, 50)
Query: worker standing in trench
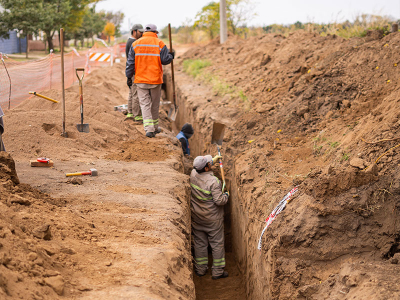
point(134, 111)
point(145, 60)
point(207, 205)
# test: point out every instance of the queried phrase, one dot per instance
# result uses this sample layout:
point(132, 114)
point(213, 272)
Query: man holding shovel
point(145, 60)
point(134, 111)
point(206, 202)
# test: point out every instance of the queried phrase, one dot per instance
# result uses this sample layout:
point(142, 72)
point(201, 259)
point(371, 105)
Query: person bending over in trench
point(183, 136)
point(206, 203)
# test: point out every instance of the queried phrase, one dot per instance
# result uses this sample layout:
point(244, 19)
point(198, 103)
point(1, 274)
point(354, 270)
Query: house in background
point(13, 44)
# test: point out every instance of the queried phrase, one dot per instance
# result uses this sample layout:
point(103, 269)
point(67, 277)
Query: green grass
point(345, 156)
point(334, 144)
point(194, 66)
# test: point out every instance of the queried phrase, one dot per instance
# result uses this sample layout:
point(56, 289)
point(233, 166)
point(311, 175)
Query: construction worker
point(1, 130)
point(206, 202)
point(145, 60)
point(183, 136)
point(134, 111)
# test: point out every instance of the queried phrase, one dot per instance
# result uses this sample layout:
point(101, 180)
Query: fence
point(41, 74)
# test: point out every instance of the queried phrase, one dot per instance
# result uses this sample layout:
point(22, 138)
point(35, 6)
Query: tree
point(21, 15)
point(116, 18)
point(109, 30)
point(208, 18)
point(238, 12)
point(93, 23)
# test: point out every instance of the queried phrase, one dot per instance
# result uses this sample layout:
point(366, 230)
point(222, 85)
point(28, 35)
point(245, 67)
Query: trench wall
point(196, 107)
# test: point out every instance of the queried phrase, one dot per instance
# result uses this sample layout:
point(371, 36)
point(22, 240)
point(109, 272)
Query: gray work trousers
point(133, 102)
point(213, 234)
point(149, 99)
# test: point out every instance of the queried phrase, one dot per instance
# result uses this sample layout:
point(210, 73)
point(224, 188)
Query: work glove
point(129, 82)
point(216, 158)
point(172, 53)
point(226, 193)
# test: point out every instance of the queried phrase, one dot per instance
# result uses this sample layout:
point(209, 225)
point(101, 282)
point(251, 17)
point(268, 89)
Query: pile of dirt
point(30, 268)
point(317, 112)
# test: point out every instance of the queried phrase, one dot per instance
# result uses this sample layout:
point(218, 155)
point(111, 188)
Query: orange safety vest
point(148, 68)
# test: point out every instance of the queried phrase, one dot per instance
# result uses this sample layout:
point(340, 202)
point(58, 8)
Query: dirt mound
point(140, 150)
point(317, 112)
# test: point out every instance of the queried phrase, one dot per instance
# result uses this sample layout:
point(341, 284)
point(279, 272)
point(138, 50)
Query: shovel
point(81, 127)
point(217, 138)
point(173, 111)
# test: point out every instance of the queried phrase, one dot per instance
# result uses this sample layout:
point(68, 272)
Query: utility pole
point(223, 24)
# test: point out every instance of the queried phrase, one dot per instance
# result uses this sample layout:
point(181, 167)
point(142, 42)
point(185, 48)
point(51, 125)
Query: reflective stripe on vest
point(148, 68)
point(201, 190)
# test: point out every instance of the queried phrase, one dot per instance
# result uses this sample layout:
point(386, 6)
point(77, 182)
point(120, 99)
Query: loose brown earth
point(310, 102)
point(314, 105)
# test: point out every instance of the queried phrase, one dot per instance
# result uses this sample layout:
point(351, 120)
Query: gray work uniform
point(149, 100)
point(206, 204)
point(133, 102)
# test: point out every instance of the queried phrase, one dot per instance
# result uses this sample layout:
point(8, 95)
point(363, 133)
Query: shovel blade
point(172, 113)
point(83, 127)
point(218, 133)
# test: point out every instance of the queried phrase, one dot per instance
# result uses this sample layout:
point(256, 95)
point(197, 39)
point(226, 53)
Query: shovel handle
point(77, 75)
point(172, 66)
point(222, 168)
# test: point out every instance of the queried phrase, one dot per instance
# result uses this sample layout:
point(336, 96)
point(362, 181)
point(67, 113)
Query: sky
point(177, 12)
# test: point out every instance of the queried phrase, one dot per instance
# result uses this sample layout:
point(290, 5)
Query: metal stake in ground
point(217, 138)
point(174, 109)
point(64, 133)
point(81, 127)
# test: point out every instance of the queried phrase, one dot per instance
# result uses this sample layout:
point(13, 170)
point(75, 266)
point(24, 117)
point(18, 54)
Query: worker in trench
point(183, 136)
point(145, 60)
point(207, 205)
point(134, 111)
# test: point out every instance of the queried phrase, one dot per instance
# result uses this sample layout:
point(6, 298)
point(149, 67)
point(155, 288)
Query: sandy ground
point(121, 235)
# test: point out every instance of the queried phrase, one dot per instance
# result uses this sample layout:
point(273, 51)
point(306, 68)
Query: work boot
point(150, 134)
point(223, 275)
point(198, 274)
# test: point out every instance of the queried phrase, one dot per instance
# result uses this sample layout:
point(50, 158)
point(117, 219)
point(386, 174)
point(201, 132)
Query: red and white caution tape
point(275, 212)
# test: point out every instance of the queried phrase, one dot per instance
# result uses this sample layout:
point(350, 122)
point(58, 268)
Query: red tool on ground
point(42, 162)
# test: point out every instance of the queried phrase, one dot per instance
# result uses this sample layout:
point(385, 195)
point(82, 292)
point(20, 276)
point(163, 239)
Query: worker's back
point(207, 199)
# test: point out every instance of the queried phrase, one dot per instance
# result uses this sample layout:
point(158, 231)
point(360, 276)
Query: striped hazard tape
point(100, 57)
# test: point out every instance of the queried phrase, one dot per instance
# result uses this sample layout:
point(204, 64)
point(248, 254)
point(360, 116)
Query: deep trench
point(233, 287)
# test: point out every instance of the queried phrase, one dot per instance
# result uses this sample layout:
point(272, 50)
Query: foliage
point(115, 18)
point(109, 30)
point(23, 15)
point(238, 12)
point(194, 66)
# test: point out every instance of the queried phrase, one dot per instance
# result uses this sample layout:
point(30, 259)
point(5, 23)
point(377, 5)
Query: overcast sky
point(176, 12)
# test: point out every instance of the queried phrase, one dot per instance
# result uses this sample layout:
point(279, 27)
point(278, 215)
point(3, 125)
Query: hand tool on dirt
point(64, 133)
point(173, 111)
point(42, 162)
point(44, 97)
point(81, 127)
point(217, 139)
point(92, 172)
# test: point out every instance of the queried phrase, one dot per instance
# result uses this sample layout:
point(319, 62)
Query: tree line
point(78, 17)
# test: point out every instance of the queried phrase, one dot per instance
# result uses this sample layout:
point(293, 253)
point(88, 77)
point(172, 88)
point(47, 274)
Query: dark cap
point(137, 27)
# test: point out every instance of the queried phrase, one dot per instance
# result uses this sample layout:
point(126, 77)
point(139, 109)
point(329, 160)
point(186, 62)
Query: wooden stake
point(64, 133)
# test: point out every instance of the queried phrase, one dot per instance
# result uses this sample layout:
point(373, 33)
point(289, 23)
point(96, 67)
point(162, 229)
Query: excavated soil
point(319, 113)
point(124, 234)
